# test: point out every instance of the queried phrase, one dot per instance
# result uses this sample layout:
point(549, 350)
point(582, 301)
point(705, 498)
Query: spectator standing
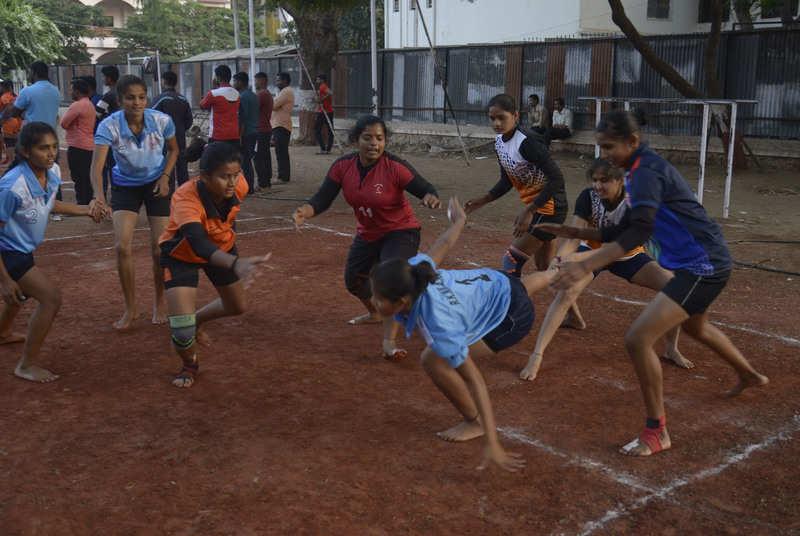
point(248, 125)
point(537, 115)
point(12, 125)
point(38, 101)
point(78, 122)
point(282, 125)
point(562, 121)
point(107, 105)
point(263, 159)
point(325, 108)
point(223, 101)
point(94, 96)
point(177, 107)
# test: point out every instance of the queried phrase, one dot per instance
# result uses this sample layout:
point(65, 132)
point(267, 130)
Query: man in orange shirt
point(78, 122)
point(11, 125)
point(201, 234)
point(325, 100)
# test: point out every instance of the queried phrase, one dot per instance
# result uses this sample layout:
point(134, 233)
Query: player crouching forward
point(461, 314)
point(200, 234)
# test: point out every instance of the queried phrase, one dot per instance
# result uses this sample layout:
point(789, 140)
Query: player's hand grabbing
point(431, 201)
point(557, 229)
point(12, 294)
point(161, 189)
point(455, 212)
point(244, 267)
point(569, 273)
point(494, 453)
point(474, 204)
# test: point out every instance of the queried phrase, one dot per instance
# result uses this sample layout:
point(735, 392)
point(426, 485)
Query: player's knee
point(696, 330)
point(428, 359)
point(636, 341)
point(184, 331)
point(123, 249)
point(358, 286)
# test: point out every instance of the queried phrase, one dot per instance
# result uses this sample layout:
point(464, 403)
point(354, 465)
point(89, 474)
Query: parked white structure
point(463, 22)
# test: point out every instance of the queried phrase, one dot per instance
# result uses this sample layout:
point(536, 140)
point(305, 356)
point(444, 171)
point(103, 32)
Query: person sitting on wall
point(562, 121)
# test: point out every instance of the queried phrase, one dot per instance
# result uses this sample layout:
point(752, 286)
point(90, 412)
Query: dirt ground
point(297, 426)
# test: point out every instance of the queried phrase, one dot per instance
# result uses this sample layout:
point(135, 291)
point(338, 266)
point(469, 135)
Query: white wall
point(461, 22)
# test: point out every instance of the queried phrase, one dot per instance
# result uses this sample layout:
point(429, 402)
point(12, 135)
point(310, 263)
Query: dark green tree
point(354, 30)
point(75, 21)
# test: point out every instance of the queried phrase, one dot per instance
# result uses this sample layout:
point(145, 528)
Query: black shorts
point(179, 273)
point(558, 217)
point(695, 293)
point(625, 268)
point(363, 255)
point(518, 321)
point(132, 197)
point(17, 263)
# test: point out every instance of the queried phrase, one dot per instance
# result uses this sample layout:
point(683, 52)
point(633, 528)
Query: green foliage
point(180, 30)
point(26, 35)
point(354, 31)
point(74, 21)
point(307, 6)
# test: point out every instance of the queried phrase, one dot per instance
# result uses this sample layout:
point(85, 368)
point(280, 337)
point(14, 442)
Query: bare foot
point(750, 380)
point(532, 368)
point(202, 338)
point(186, 377)
point(34, 373)
point(368, 318)
point(159, 315)
point(463, 431)
point(12, 338)
point(676, 357)
point(637, 447)
point(392, 352)
point(126, 321)
point(570, 322)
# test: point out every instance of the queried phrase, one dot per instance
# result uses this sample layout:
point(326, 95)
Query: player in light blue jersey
point(461, 314)
point(27, 197)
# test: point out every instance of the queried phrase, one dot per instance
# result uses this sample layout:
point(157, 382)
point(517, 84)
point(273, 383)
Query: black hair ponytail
point(395, 278)
point(618, 124)
point(31, 134)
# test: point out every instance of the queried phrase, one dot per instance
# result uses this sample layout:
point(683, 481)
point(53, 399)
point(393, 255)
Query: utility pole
point(235, 9)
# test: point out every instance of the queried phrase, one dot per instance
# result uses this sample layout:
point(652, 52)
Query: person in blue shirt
point(137, 136)
point(462, 314)
point(38, 101)
point(248, 125)
point(27, 197)
point(682, 238)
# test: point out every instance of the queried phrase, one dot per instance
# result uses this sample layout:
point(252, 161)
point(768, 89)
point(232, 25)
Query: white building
point(462, 22)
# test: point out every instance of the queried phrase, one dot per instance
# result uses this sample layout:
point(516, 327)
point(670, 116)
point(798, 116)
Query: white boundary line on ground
point(782, 338)
point(732, 458)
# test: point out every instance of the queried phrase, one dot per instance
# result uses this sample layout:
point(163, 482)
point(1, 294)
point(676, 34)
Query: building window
point(412, 4)
point(705, 11)
point(774, 9)
point(657, 9)
point(430, 4)
point(396, 6)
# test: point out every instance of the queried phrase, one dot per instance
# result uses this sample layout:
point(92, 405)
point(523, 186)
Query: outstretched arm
point(319, 202)
point(456, 214)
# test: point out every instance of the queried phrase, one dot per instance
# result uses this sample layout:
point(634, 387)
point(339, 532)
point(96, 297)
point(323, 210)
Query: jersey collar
point(33, 183)
point(643, 146)
point(149, 125)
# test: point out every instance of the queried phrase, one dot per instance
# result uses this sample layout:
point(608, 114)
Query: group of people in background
point(539, 121)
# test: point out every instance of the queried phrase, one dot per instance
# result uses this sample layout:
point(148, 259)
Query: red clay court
point(296, 425)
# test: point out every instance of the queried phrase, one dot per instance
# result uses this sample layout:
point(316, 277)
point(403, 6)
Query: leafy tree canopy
point(354, 28)
point(26, 35)
point(75, 21)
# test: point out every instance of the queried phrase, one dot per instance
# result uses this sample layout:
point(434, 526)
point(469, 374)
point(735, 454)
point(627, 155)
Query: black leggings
point(363, 255)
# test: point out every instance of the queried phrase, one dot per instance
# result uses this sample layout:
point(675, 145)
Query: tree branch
point(712, 51)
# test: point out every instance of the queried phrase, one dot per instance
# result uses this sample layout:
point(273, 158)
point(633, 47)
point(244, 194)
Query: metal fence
point(762, 64)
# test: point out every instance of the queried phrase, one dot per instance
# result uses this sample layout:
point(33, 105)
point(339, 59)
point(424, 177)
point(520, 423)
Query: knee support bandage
point(184, 329)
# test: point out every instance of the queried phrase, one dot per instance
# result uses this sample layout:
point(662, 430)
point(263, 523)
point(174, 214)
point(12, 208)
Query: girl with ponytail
point(461, 314)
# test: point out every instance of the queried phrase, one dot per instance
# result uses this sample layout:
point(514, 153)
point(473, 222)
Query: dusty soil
point(296, 425)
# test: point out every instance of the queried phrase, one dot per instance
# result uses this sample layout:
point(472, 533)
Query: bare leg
point(574, 318)
point(371, 317)
point(555, 314)
point(180, 301)
point(700, 329)
point(390, 350)
point(7, 315)
point(660, 315)
point(653, 276)
point(544, 254)
point(124, 224)
point(232, 301)
point(453, 386)
point(157, 227)
point(38, 286)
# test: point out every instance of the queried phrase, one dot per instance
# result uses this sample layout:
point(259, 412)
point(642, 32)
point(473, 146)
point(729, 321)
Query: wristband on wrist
point(233, 264)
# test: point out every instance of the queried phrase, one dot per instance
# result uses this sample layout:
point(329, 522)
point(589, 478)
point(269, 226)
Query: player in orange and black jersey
point(525, 164)
point(200, 234)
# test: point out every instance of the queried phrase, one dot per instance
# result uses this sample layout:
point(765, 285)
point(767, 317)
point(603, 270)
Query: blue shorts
point(625, 269)
point(518, 321)
point(17, 263)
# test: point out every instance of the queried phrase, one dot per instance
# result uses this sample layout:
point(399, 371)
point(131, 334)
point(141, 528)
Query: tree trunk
point(318, 43)
point(674, 78)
